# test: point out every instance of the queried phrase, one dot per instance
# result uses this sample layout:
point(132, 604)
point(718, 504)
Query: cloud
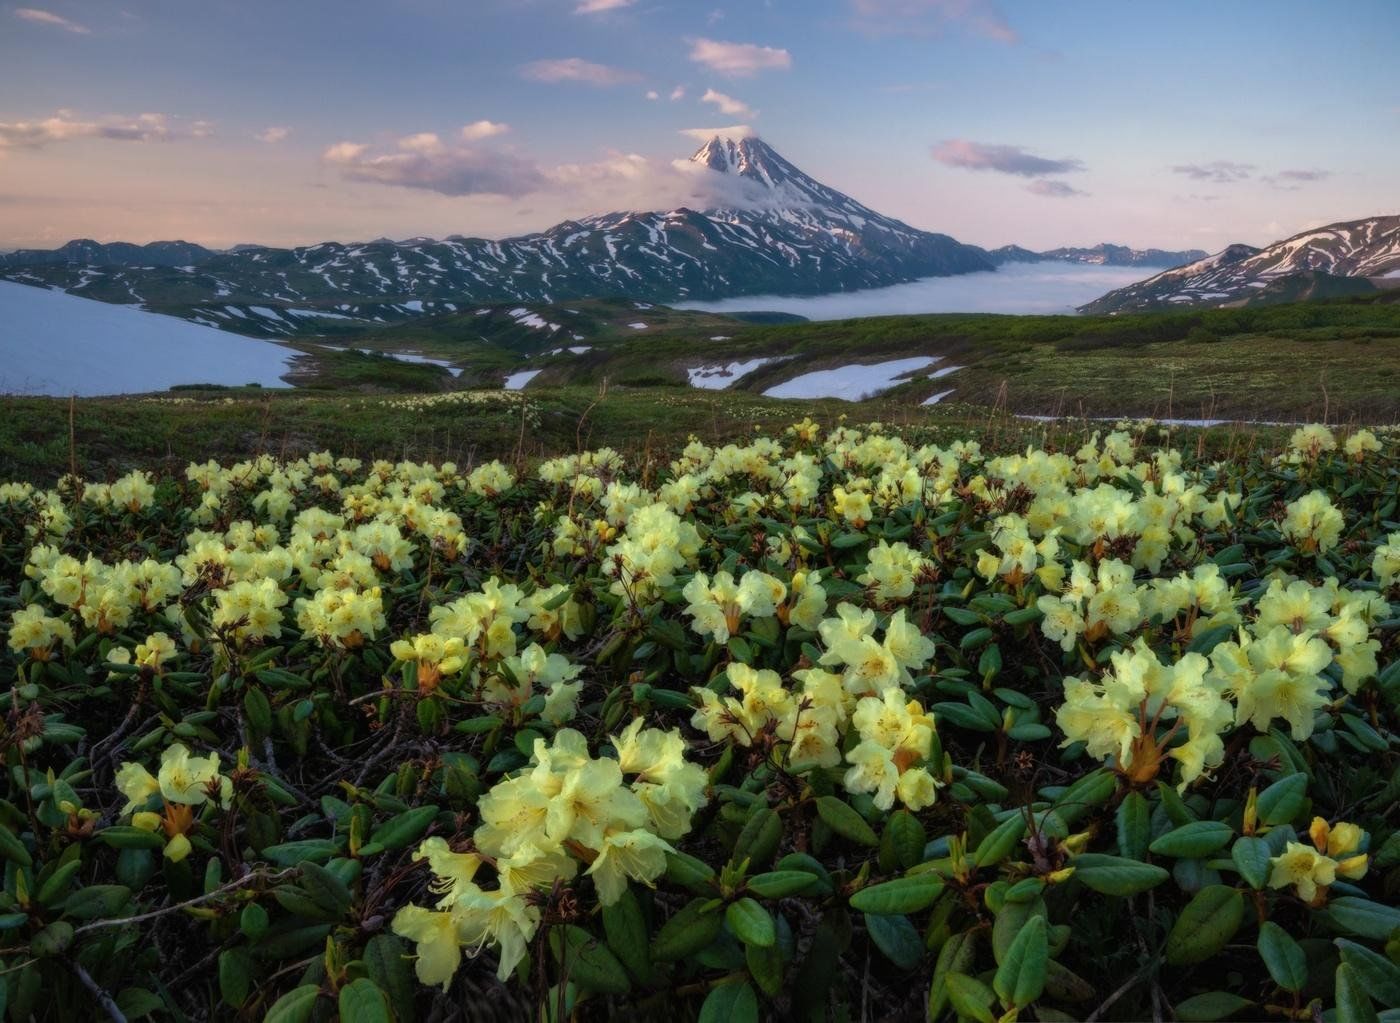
point(980, 17)
point(1221, 172)
point(423, 161)
point(1004, 159)
point(594, 6)
point(678, 93)
point(738, 60)
point(272, 135)
point(422, 142)
point(575, 69)
point(727, 104)
point(1292, 180)
point(734, 131)
point(478, 130)
point(653, 94)
point(65, 126)
point(1052, 189)
point(49, 18)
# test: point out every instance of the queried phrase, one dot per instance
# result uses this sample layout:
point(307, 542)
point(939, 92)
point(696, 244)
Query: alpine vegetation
point(828, 718)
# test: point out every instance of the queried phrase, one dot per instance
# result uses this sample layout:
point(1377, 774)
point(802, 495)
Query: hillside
point(1362, 250)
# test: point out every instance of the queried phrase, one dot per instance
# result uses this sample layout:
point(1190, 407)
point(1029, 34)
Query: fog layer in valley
point(1050, 287)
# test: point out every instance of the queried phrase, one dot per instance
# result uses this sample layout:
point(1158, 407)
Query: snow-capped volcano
point(765, 228)
point(1305, 265)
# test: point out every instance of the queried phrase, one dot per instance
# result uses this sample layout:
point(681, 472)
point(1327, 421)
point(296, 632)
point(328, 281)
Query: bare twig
point(105, 1000)
point(242, 882)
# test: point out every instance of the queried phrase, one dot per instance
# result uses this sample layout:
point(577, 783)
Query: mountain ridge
point(1355, 250)
point(771, 229)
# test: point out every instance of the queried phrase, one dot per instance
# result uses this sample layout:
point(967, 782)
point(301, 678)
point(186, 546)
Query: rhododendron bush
point(829, 724)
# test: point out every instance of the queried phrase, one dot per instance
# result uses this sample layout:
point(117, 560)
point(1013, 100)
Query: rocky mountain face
point(1327, 261)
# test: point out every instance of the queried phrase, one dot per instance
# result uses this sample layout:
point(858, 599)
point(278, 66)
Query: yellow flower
point(1313, 523)
point(438, 946)
point(191, 780)
point(1305, 868)
point(155, 651)
point(137, 784)
point(635, 854)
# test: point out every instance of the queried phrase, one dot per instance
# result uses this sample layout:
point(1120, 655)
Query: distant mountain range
point(773, 229)
point(1103, 254)
point(1340, 259)
point(769, 229)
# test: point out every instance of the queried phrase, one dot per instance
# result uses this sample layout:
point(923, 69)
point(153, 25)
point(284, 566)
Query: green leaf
point(1284, 800)
point(971, 998)
point(765, 967)
point(138, 1003)
point(751, 923)
point(1134, 826)
point(1364, 917)
point(1114, 875)
point(1208, 640)
point(289, 854)
point(840, 818)
point(126, 837)
point(53, 940)
point(999, 842)
point(1251, 856)
point(1353, 1004)
point(1020, 978)
point(386, 961)
point(759, 840)
point(325, 889)
point(1193, 841)
point(779, 884)
point(295, 1006)
point(626, 931)
point(97, 900)
point(955, 956)
point(1210, 1006)
point(586, 961)
point(403, 830)
point(733, 1001)
point(11, 848)
point(1377, 974)
point(906, 838)
point(1206, 925)
point(361, 1001)
point(896, 937)
point(686, 870)
point(687, 932)
point(902, 895)
point(1283, 957)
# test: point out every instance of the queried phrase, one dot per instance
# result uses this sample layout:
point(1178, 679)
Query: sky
point(1178, 125)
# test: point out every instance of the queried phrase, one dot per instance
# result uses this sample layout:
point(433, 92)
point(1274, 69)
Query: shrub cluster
point(820, 725)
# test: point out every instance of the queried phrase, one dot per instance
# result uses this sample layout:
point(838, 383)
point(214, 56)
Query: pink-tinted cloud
point(1053, 189)
point(738, 60)
point(66, 126)
point(727, 104)
point(478, 130)
point(576, 69)
point(425, 162)
point(982, 156)
point(41, 17)
point(1221, 172)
